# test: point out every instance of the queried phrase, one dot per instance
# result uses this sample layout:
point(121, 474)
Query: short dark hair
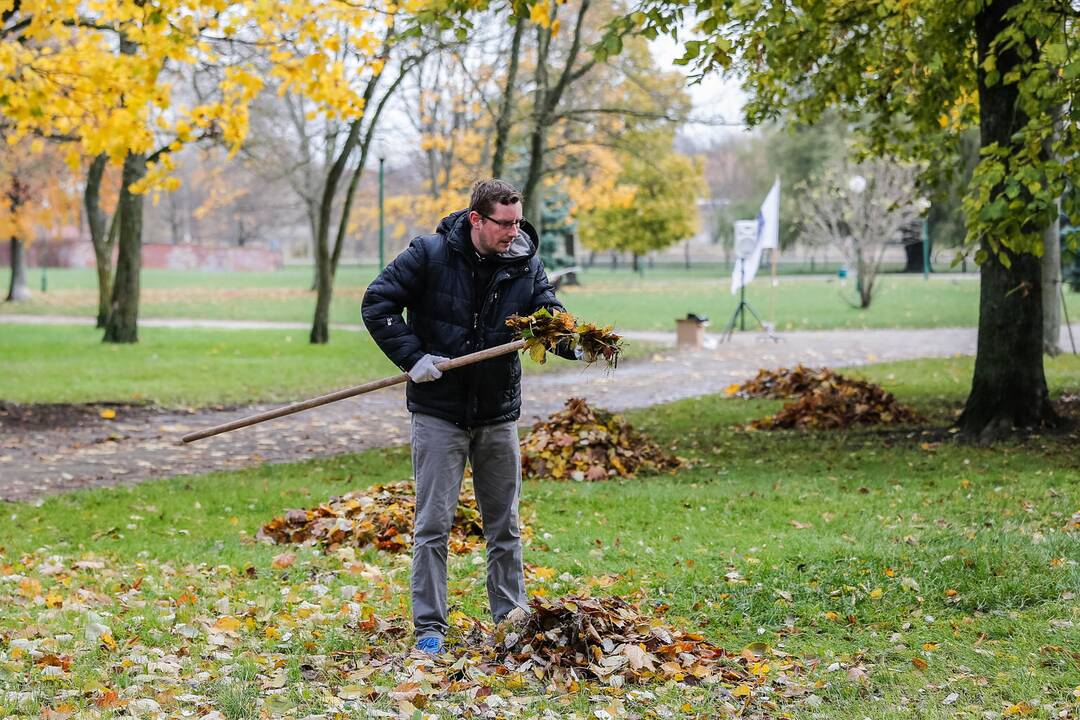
point(486, 193)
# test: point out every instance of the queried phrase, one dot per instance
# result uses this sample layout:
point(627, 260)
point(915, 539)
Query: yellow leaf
point(537, 353)
point(543, 573)
point(1020, 708)
point(107, 414)
point(540, 15)
point(29, 587)
point(108, 641)
point(876, 593)
point(742, 691)
point(227, 623)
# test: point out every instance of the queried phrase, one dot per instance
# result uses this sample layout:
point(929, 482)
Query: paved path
point(80, 449)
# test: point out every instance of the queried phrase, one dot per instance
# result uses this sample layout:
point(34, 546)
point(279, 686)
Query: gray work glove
point(578, 352)
point(425, 371)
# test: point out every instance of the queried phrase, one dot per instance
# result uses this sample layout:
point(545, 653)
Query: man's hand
point(425, 371)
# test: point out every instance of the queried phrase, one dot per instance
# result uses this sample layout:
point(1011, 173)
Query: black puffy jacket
point(435, 279)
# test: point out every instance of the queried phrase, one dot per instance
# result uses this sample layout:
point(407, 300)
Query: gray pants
point(439, 452)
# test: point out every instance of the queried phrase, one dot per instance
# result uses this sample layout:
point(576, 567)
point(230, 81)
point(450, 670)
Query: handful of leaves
point(545, 330)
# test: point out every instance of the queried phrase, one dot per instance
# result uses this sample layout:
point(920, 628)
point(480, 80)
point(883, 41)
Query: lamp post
point(924, 235)
point(382, 226)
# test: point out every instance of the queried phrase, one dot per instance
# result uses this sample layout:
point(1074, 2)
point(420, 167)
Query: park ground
point(881, 572)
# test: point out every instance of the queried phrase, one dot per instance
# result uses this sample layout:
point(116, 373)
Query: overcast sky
point(715, 98)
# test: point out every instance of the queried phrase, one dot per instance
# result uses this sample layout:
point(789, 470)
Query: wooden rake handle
point(349, 392)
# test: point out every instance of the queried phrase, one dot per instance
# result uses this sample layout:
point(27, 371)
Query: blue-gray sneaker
point(432, 645)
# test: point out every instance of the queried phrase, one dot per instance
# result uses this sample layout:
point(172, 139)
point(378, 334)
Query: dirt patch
point(65, 416)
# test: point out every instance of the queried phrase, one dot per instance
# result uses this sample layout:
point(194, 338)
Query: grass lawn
point(908, 576)
point(193, 367)
point(630, 301)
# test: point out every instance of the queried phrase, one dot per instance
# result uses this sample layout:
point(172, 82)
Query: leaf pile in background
point(584, 443)
point(822, 399)
point(380, 516)
point(839, 403)
point(784, 383)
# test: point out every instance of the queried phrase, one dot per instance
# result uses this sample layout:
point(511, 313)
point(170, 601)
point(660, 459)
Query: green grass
point(638, 302)
point(865, 548)
point(180, 367)
point(192, 367)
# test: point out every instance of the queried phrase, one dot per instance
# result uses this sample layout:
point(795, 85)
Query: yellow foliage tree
point(37, 200)
point(133, 82)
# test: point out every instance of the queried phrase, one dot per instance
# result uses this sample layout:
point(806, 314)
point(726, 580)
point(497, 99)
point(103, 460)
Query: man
point(459, 286)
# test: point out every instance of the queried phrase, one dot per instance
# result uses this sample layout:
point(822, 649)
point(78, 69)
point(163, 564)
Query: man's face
point(494, 233)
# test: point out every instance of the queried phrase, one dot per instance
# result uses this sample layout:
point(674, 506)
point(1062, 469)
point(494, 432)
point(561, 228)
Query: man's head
point(494, 216)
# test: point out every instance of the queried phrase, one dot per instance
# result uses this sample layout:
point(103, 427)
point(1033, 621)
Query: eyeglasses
point(504, 224)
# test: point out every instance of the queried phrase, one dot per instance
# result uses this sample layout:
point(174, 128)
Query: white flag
point(766, 234)
point(769, 218)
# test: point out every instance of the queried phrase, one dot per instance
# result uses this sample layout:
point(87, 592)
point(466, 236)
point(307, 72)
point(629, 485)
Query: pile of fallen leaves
point(823, 399)
point(609, 639)
point(784, 383)
point(544, 331)
point(584, 443)
point(380, 516)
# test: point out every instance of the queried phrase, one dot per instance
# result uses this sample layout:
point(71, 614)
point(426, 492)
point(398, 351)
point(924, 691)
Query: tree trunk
point(122, 324)
point(320, 326)
point(506, 107)
point(324, 275)
point(17, 289)
point(1008, 389)
point(537, 134)
point(102, 236)
point(1051, 288)
point(1051, 272)
point(531, 191)
point(913, 252)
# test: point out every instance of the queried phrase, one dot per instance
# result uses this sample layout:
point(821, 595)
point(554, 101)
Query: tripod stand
point(744, 307)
